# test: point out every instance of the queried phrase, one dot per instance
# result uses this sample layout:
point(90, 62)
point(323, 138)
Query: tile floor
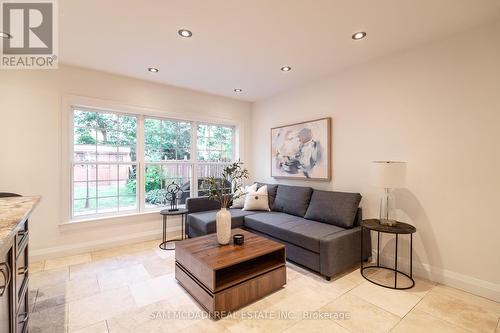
point(132, 289)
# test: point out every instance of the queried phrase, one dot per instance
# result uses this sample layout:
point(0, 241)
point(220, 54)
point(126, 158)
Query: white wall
point(436, 107)
point(31, 106)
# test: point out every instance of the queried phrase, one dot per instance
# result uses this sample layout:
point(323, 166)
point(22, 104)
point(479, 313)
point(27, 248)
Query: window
point(215, 143)
point(113, 172)
point(104, 163)
point(167, 157)
point(215, 151)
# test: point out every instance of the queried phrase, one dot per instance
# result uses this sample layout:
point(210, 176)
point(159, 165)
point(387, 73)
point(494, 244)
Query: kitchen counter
point(14, 210)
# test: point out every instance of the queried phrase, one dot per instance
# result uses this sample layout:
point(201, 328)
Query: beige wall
point(31, 163)
point(436, 107)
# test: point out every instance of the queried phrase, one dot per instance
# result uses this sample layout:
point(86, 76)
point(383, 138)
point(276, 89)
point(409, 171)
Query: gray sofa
point(320, 229)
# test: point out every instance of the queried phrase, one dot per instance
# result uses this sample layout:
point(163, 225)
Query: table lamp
point(388, 175)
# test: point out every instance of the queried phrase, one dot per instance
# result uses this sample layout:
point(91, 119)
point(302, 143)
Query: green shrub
point(157, 197)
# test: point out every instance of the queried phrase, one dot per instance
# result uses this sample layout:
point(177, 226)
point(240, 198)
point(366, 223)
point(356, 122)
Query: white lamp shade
point(388, 174)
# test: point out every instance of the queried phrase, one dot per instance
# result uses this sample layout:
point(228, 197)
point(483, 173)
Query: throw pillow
point(292, 200)
point(257, 200)
point(337, 208)
point(240, 202)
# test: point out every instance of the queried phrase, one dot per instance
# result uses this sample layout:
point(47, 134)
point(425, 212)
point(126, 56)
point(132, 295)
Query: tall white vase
point(223, 226)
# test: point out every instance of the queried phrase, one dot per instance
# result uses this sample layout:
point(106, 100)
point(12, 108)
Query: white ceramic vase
point(223, 226)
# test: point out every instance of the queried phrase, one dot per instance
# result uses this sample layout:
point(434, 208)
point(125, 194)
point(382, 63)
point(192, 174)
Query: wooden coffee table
point(225, 278)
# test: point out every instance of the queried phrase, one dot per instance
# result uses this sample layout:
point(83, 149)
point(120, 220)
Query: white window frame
point(193, 161)
point(72, 102)
point(97, 163)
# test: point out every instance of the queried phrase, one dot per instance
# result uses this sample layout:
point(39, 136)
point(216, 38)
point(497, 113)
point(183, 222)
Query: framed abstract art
point(302, 150)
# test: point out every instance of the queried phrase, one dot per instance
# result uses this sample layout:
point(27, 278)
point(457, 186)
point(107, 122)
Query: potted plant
point(224, 190)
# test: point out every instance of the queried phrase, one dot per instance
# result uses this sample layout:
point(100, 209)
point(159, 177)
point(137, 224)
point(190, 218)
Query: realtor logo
point(29, 39)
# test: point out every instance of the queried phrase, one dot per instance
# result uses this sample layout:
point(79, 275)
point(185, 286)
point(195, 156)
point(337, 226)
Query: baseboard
point(460, 281)
point(98, 244)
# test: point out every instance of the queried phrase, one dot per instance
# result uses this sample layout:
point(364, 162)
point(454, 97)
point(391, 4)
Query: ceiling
point(243, 44)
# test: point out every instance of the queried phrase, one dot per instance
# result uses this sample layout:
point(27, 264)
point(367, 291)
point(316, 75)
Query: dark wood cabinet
point(14, 278)
point(14, 263)
point(6, 294)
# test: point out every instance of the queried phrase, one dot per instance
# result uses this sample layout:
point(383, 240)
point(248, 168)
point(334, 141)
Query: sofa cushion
point(292, 199)
point(291, 229)
point(336, 208)
point(201, 204)
point(204, 222)
point(271, 192)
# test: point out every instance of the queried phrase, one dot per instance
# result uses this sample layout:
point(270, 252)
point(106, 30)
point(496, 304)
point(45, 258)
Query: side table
point(400, 228)
point(164, 245)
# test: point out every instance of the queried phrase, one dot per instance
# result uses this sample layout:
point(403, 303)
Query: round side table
point(400, 228)
point(164, 245)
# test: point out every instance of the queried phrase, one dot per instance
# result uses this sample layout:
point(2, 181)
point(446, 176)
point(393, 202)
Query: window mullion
point(194, 158)
point(141, 166)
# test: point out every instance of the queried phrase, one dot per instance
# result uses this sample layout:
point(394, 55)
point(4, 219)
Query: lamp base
point(387, 222)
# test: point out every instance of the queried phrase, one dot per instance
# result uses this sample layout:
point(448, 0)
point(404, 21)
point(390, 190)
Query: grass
point(108, 199)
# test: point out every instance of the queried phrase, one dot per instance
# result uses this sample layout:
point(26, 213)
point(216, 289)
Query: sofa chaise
point(320, 229)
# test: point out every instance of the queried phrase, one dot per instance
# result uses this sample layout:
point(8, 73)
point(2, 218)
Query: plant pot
point(223, 226)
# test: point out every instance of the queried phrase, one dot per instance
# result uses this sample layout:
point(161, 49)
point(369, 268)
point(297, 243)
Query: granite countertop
point(12, 211)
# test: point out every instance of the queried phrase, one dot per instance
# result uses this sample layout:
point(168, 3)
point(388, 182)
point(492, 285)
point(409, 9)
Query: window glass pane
point(215, 143)
point(159, 177)
point(84, 206)
point(202, 155)
point(127, 203)
point(202, 143)
point(169, 134)
point(127, 190)
point(84, 148)
point(107, 189)
point(203, 131)
point(106, 172)
point(104, 137)
point(84, 190)
point(107, 153)
point(126, 172)
point(84, 172)
point(166, 140)
point(183, 154)
point(125, 139)
point(84, 136)
point(152, 137)
point(209, 170)
point(85, 118)
point(184, 135)
point(153, 155)
point(126, 154)
point(127, 125)
point(212, 143)
point(107, 205)
point(107, 121)
point(215, 155)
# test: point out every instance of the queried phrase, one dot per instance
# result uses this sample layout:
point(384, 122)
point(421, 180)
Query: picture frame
point(302, 150)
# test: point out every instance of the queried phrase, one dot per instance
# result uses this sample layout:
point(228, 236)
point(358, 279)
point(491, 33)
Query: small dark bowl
point(238, 239)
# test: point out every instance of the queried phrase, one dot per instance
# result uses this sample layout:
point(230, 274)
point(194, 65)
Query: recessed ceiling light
point(359, 35)
point(5, 35)
point(238, 90)
point(185, 33)
point(153, 70)
point(286, 68)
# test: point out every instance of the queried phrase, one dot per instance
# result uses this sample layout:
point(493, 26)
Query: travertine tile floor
point(132, 289)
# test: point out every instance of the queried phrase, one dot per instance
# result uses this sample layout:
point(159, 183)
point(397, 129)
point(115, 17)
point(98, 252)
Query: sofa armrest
point(201, 204)
point(341, 250)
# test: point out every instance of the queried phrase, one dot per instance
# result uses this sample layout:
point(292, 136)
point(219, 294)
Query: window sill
point(101, 220)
